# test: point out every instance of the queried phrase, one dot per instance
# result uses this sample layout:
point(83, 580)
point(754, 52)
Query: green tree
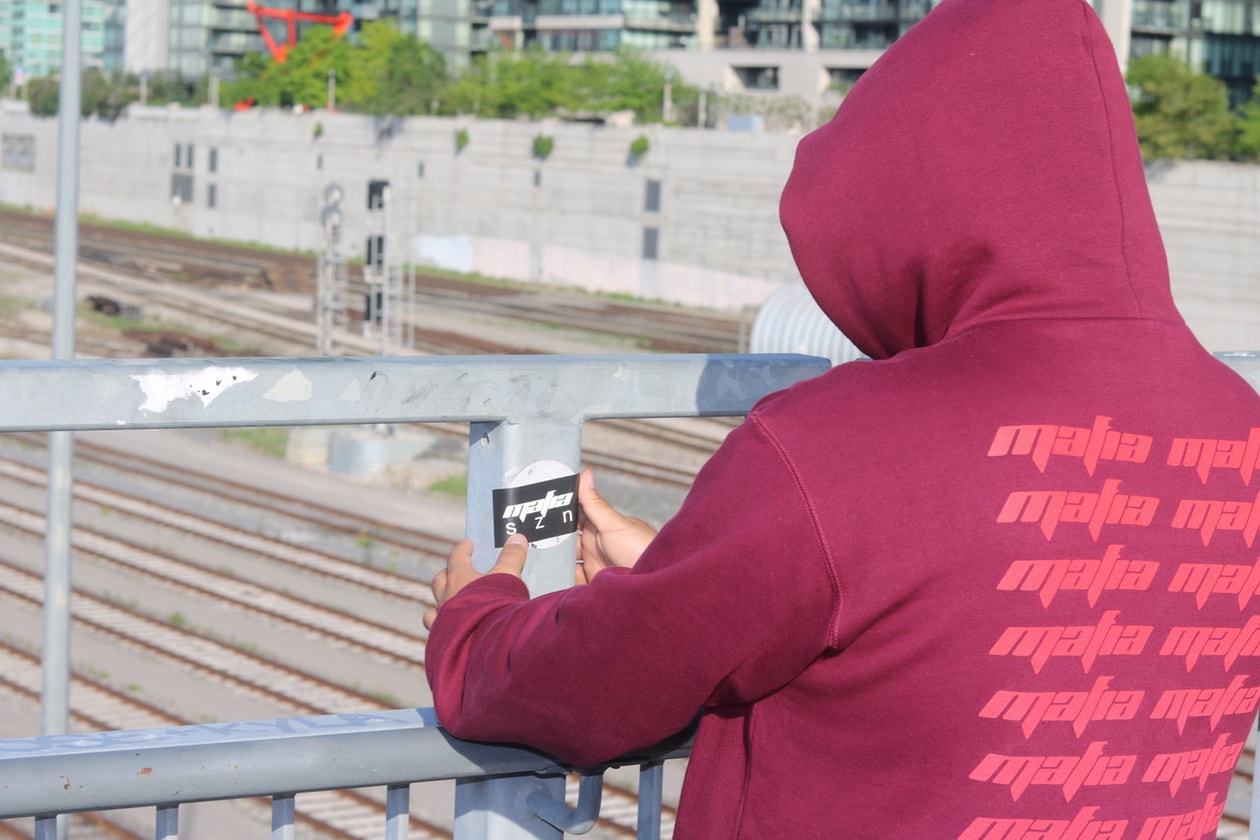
point(43, 96)
point(1179, 113)
point(628, 81)
point(6, 71)
point(302, 79)
point(94, 92)
point(399, 74)
point(529, 84)
point(1248, 143)
point(99, 94)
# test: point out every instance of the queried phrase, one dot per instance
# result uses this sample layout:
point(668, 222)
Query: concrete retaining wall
point(581, 217)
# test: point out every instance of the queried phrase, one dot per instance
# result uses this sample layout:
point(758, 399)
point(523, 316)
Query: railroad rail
point(156, 272)
point(161, 262)
point(227, 662)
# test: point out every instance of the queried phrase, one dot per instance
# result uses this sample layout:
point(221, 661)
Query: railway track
point(185, 276)
point(162, 261)
point(193, 650)
point(335, 813)
point(98, 707)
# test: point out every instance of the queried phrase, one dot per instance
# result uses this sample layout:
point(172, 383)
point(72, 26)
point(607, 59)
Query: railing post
point(501, 455)
point(167, 827)
point(397, 812)
point(283, 816)
point(651, 794)
point(1254, 826)
point(508, 454)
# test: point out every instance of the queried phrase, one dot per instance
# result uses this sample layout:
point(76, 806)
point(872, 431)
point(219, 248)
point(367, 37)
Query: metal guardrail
point(164, 768)
point(524, 412)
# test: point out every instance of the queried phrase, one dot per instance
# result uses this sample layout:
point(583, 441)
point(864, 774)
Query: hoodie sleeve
point(732, 599)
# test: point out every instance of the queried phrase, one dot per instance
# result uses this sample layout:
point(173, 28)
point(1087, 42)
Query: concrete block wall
point(578, 218)
point(1210, 218)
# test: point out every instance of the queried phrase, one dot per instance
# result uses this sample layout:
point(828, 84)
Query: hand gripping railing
point(523, 412)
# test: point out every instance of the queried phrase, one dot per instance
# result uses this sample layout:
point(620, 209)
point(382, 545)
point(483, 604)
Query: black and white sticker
point(544, 511)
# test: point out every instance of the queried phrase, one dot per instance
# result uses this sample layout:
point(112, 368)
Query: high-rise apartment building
point(812, 48)
point(1221, 37)
point(30, 35)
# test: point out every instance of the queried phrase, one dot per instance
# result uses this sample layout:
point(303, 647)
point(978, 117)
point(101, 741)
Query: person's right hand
point(608, 538)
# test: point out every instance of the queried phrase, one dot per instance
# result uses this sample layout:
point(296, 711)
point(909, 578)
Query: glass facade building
point(30, 35)
point(1220, 37)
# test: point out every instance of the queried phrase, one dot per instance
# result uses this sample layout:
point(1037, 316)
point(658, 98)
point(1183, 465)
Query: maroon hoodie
point(999, 582)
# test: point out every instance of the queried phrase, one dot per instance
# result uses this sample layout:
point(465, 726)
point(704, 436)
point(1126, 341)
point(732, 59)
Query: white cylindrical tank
point(791, 322)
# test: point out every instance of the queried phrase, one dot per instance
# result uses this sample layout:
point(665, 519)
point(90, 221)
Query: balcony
point(785, 13)
point(1160, 17)
point(681, 24)
point(865, 12)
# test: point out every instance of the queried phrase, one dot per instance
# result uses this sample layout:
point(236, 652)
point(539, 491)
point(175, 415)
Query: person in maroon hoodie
point(998, 582)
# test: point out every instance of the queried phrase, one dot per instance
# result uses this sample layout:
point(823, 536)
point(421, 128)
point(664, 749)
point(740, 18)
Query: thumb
point(600, 514)
point(512, 558)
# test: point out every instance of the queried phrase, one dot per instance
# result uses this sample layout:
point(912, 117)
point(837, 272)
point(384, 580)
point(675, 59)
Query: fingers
point(459, 565)
point(594, 509)
point(512, 558)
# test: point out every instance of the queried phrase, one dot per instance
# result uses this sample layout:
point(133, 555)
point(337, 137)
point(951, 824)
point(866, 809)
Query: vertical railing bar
point(46, 828)
point(651, 797)
point(167, 823)
point(1253, 829)
point(397, 812)
point(283, 815)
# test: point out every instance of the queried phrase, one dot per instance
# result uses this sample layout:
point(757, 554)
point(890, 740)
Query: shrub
point(543, 145)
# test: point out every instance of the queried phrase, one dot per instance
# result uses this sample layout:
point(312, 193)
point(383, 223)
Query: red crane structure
point(340, 23)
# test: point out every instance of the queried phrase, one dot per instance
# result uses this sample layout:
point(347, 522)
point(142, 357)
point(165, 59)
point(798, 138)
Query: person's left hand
point(459, 571)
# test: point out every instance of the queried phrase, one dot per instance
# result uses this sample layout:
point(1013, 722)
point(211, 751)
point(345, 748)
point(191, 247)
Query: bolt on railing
point(525, 414)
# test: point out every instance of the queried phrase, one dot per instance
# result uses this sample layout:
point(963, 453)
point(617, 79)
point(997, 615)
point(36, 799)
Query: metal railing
point(523, 412)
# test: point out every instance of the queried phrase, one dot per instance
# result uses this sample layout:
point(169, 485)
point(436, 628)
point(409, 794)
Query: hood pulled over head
point(985, 168)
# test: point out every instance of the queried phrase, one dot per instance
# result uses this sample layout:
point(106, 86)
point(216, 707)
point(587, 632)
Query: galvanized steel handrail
point(523, 411)
point(144, 767)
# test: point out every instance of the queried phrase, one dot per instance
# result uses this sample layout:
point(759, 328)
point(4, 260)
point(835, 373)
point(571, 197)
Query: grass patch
point(455, 485)
point(98, 674)
point(117, 322)
point(11, 306)
point(236, 348)
point(146, 227)
point(265, 440)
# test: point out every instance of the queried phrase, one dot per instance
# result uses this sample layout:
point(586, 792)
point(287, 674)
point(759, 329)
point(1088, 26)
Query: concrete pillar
point(810, 9)
point(706, 22)
point(1117, 18)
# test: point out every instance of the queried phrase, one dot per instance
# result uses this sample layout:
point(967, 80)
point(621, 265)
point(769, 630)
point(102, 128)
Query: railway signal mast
point(388, 298)
point(331, 276)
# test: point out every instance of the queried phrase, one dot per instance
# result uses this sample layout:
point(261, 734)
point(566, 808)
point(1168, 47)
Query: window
point(651, 237)
point(652, 197)
point(213, 163)
point(17, 152)
point(758, 78)
point(212, 196)
point(842, 78)
point(178, 155)
point(190, 155)
point(181, 188)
